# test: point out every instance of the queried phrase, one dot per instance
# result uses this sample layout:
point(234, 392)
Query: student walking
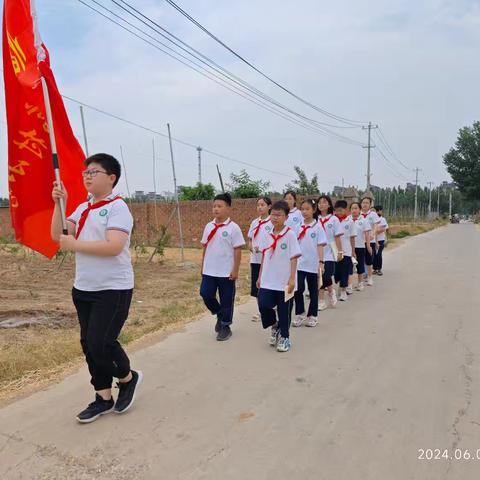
point(373, 220)
point(333, 250)
point(295, 217)
point(362, 241)
point(222, 242)
point(258, 234)
point(99, 234)
point(381, 240)
point(312, 240)
point(278, 278)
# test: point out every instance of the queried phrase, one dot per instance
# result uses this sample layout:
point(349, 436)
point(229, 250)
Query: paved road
point(393, 371)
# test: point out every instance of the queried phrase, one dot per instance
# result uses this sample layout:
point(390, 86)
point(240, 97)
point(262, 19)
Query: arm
point(56, 228)
point(260, 273)
point(352, 243)
point(293, 273)
point(321, 254)
point(236, 264)
point(112, 246)
point(338, 243)
point(367, 242)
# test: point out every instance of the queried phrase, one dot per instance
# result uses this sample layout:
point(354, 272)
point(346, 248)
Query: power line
point(382, 138)
point(312, 125)
point(240, 57)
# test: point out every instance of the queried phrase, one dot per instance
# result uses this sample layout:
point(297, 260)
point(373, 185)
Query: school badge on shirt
point(283, 246)
point(225, 234)
point(103, 212)
point(313, 234)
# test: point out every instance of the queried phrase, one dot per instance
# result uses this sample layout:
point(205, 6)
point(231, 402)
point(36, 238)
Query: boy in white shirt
point(222, 253)
point(381, 239)
point(277, 276)
point(99, 234)
point(344, 266)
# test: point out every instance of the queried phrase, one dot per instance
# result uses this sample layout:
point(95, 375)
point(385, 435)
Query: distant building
point(410, 186)
point(446, 185)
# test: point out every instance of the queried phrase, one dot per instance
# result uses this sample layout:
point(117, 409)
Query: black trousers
point(377, 259)
point(328, 273)
point(360, 253)
point(267, 301)
point(102, 316)
point(369, 258)
point(254, 273)
point(226, 294)
point(312, 282)
point(342, 271)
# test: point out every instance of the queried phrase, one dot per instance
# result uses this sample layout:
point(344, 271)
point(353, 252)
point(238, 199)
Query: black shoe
point(379, 273)
point(224, 334)
point(95, 409)
point(218, 326)
point(126, 395)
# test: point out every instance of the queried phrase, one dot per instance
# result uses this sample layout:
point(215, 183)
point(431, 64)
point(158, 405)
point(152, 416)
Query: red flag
point(30, 168)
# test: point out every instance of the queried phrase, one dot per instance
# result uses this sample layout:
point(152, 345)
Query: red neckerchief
point(304, 230)
point(365, 215)
point(355, 219)
point(91, 206)
point(276, 238)
point(323, 222)
point(214, 231)
point(342, 218)
point(259, 226)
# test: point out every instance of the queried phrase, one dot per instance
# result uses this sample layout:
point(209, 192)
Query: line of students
point(317, 245)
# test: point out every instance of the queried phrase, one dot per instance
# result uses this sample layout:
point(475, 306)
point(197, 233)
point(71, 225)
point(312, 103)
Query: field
point(38, 326)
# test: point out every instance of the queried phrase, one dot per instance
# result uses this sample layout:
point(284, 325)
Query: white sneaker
point(283, 345)
point(370, 281)
point(322, 306)
point(256, 318)
point(349, 290)
point(274, 336)
point(298, 321)
point(343, 296)
point(360, 287)
point(312, 321)
point(333, 298)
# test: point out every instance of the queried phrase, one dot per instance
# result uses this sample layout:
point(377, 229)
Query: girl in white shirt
point(362, 238)
point(381, 239)
point(312, 240)
point(258, 233)
point(333, 232)
point(373, 219)
point(295, 217)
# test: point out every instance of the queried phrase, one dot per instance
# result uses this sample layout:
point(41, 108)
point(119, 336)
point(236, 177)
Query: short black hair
point(311, 202)
point(268, 201)
point(281, 205)
point(341, 204)
point(355, 203)
point(368, 198)
point(108, 162)
point(378, 208)
point(224, 197)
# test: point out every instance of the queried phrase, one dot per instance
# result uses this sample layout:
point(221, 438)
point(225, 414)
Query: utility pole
point(369, 147)
point(199, 150)
point(343, 187)
point(450, 204)
point(438, 201)
point(430, 199)
point(416, 194)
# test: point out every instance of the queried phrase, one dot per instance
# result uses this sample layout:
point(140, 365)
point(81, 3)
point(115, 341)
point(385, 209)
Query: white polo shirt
point(361, 226)
point(294, 219)
point(332, 229)
point(309, 243)
point(383, 223)
point(348, 229)
point(373, 219)
point(94, 273)
point(260, 239)
point(219, 253)
point(276, 264)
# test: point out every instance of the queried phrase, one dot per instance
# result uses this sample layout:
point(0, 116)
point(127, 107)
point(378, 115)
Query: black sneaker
point(218, 325)
point(95, 409)
point(126, 395)
point(224, 334)
point(379, 273)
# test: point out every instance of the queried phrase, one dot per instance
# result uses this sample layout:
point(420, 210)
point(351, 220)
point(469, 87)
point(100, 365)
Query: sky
point(410, 67)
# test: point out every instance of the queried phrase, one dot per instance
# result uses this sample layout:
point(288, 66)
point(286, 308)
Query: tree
point(463, 161)
point(201, 191)
point(243, 186)
point(302, 185)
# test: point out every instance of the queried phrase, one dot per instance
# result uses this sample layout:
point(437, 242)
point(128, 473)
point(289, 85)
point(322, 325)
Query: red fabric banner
point(30, 168)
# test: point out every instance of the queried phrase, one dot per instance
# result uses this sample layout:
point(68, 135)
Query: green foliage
point(463, 161)
point(201, 191)
point(243, 186)
point(302, 185)
point(401, 234)
point(163, 241)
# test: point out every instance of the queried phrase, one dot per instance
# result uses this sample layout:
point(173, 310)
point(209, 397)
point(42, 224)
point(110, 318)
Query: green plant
point(401, 234)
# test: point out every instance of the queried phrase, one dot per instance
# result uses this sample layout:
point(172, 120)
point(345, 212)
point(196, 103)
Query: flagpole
point(53, 145)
